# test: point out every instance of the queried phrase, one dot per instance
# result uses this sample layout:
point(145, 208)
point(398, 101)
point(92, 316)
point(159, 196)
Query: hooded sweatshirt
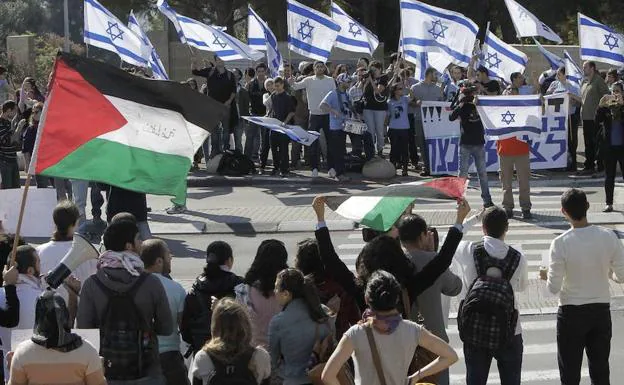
point(150, 299)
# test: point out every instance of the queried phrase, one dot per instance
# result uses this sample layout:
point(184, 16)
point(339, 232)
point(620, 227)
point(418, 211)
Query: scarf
point(383, 324)
point(121, 260)
point(52, 330)
point(31, 281)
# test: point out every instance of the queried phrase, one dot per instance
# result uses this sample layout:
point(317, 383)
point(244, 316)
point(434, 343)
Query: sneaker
point(586, 171)
point(526, 215)
point(177, 209)
point(261, 171)
point(510, 213)
point(331, 173)
point(425, 173)
point(608, 209)
point(315, 173)
point(488, 205)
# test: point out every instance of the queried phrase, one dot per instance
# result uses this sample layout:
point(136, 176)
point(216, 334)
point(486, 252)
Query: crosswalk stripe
point(527, 326)
point(528, 376)
point(550, 348)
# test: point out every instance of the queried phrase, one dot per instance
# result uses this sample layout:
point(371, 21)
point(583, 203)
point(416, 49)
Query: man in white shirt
point(509, 359)
point(316, 87)
point(581, 261)
point(157, 259)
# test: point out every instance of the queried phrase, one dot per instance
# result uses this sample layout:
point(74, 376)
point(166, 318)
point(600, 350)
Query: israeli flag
point(102, 29)
point(599, 42)
point(310, 33)
point(553, 60)
point(255, 31)
point(511, 116)
point(527, 25)
point(501, 59)
point(435, 30)
point(295, 133)
point(574, 74)
point(353, 36)
point(209, 38)
point(274, 57)
point(155, 64)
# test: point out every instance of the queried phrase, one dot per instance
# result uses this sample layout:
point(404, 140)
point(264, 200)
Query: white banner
point(547, 152)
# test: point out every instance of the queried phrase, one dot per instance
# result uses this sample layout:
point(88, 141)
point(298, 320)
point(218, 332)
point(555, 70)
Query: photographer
point(472, 141)
point(375, 98)
point(356, 96)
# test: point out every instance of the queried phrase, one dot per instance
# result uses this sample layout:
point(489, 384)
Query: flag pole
point(20, 218)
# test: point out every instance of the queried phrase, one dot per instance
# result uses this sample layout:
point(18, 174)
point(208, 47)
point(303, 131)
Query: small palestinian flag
point(380, 208)
point(103, 124)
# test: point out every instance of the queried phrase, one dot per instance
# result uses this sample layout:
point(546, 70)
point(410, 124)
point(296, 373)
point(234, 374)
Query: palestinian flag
point(380, 208)
point(103, 124)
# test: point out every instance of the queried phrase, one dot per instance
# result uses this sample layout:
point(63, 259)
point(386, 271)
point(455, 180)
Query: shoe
point(608, 209)
point(177, 209)
point(488, 205)
point(526, 215)
point(261, 171)
point(331, 173)
point(509, 213)
point(425, 173)
point(149, 209)
point(315, 173)
point(585, 171)
point(343, 178)
point(284, 174)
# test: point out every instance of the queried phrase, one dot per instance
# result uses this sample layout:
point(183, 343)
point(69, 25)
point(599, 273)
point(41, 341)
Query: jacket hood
point(224, 282)
point(116, 279)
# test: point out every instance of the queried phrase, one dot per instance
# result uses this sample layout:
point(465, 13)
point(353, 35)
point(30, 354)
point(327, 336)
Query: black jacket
point(604, 120)
point(9, 317)
point(472, 131)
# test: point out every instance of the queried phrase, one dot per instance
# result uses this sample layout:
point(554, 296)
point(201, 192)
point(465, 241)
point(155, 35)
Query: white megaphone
point(81, 251)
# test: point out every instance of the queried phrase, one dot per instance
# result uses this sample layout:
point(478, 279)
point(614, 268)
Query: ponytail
point(301, 287)
point(217, 255)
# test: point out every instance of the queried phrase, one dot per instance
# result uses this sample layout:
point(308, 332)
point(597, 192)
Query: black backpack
point(235, 163)
point(201, 325)
point(235, 373)
point(127, 342)
point(487, 317)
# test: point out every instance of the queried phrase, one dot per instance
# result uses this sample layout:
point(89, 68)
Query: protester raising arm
point(9, 316)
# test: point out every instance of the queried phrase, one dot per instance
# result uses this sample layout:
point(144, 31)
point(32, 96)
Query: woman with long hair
point(394, 339)
point(230, 352)
point(257, 290)
point(29, 135)
point(294, 331)
point(398, 126)
point(216, 281)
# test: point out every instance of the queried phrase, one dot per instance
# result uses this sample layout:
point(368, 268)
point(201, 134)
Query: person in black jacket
point(385, 253)
point(610, 120)
point(216, 281)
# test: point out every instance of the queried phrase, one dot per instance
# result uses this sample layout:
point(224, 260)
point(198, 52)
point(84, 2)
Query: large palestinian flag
point(380, 208)
point(103, 124)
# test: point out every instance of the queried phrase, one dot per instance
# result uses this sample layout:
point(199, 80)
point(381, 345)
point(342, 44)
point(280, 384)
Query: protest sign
point(37, 221)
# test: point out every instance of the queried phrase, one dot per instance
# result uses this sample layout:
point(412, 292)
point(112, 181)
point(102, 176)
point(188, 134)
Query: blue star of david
point(492, 60)
point(355, 29)
point(611, 41)
point(114, 32)
point(508, 118)
point(437, 29)
point(218, 41)
point(305, 30)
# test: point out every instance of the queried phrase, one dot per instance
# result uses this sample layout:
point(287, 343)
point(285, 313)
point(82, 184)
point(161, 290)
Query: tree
point(21, 16)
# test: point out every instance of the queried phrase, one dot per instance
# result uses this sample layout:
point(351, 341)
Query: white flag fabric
point(426, 28)
point(554, 60)
point(155, 64)
point(255, 32)
point(209, 38)
point(273, 55)
point(600, 42)
point(501, 59)
point(511, 116)
point(527, 25)
point(295, 133)
point(102, 29)
point(310, 33)
point(353, 36)
point(574, 74)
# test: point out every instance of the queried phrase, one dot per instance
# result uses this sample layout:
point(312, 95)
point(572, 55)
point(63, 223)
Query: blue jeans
point(508, 360)
point(80, 189)
point(318, 123)
point(375, 120)
point(252, 141)
point(477, 152)
point(215, 139)
point(237, 131)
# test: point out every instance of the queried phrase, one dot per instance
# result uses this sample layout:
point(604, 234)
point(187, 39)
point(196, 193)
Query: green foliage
point(21, 16)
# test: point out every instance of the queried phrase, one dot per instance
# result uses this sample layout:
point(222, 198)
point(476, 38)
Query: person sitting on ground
point(394, 341)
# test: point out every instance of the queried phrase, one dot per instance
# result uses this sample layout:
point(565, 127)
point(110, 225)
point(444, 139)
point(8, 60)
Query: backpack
point(487, 317)
point(127, 343)
point(235, 163)
point(235, 373)
point(321, 351)
point(201, 325)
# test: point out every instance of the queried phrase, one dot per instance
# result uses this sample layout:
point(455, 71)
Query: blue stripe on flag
point(319, 19)
point(120, 50)
point(99, 6)
point(590, 23)
point(307, 47)
point(432, 43)
point(505, 51)
point(602, 54)
point(256, 41)
point(511, 130)
point(456, 19)
point(355, 43)
point(337, 10)
point(503, 102)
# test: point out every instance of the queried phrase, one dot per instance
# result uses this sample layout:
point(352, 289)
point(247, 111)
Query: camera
point(466, 94)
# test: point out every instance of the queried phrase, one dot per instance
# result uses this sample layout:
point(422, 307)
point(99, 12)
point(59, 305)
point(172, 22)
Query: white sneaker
point(331, 173)
point(177, 209)
point(315, 173)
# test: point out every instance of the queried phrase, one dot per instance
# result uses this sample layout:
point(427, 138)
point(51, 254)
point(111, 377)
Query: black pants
point(613, 156)
point(279, 149)
point(413, 150)
point(584, 328)
point(265, 136)
point(590, 136)
point(508, 360)
point(399, 146)
point(173, 368)
point(317, 123)
point(336, 143)
point(573, 138)
point(97, 201)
